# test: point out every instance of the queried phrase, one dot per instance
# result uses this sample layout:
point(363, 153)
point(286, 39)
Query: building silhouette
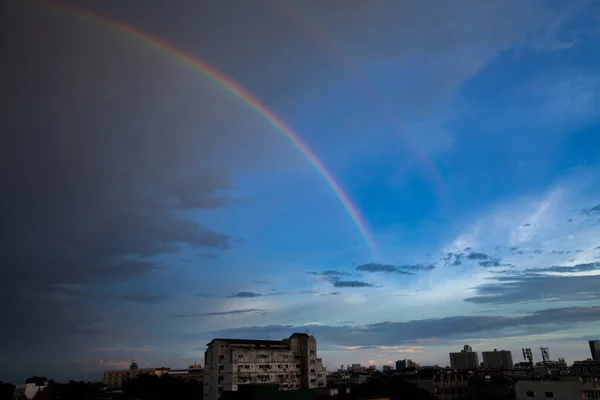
point(497, 359)
point(595, 349)
point(465, 359)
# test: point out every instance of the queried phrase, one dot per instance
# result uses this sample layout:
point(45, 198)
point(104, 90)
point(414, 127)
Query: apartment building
point(291, 363)
point(466, 359)
point(498, 359)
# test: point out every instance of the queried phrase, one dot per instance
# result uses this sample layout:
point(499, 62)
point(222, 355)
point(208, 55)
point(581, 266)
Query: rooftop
point(251, 342)
point(259, 342)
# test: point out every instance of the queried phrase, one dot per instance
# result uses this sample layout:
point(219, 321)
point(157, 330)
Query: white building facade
point(291, 363)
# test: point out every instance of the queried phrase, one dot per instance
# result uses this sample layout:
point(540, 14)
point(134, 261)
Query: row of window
point(267, 366)
point(531, 393)
point(591, 394)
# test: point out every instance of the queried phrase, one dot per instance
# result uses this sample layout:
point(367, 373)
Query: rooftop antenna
point(528, 356)
point(545, 357)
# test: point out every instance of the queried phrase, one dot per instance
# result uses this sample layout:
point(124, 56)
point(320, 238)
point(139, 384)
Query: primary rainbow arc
point(238, 91)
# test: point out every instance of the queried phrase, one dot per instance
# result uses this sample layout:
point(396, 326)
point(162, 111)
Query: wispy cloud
point(397, 269)
point(253, 294)
point(409, 332)
point(538, 288)
point(218, 313)
point(339, 283)
point(329, 272)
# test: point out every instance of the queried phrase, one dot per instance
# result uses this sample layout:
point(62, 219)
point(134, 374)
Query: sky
point(146, 209)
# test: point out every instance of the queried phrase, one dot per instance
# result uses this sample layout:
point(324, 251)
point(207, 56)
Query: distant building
point(290, 363)
point(586, 368)
point(595, 349)
point(405, 364)
point(387, 368)
point(357, 368)
point(497, 359)
point(115, 378)
point(194, 373)
point(466, 359)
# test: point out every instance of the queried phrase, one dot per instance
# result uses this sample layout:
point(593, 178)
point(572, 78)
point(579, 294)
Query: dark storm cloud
point(144, 298)
point(398, 333)
point(96, 181)
point(533, 287)
point(107, 149)
point(218, 313)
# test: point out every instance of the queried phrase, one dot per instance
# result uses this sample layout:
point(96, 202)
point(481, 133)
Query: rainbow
point(344, 60)
point(235, 89)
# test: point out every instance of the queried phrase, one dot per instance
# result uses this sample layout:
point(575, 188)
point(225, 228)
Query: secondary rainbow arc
point(321, 36)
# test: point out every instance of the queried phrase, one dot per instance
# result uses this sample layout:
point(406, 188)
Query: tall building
point(595, 349)
point(497, 359)
point(291, 363)
point(466, 359)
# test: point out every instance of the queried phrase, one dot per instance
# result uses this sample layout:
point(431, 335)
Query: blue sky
point(150, 210)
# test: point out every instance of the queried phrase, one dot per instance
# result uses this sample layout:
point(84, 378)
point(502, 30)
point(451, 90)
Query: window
point(529, 393)
point(550, 394)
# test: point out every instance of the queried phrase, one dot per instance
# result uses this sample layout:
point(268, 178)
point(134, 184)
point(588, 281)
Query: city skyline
point(400, 180)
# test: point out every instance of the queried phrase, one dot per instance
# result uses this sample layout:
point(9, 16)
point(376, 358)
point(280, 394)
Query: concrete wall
point(563, 390)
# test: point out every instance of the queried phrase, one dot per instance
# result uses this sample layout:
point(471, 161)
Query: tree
point(6, 391)
point(38, 380)
point(164, 388)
